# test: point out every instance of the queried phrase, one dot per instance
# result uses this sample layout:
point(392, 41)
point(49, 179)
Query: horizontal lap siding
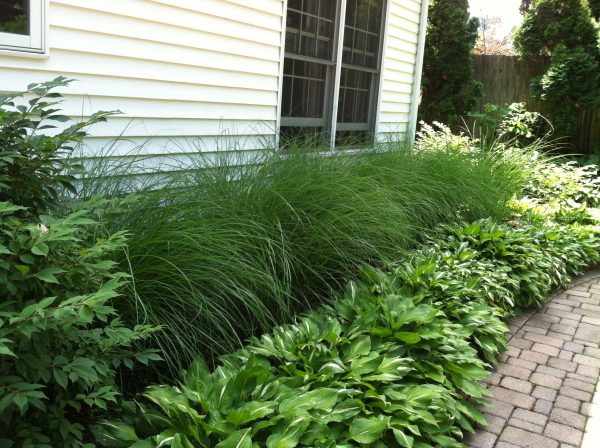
point(188, 75)
point(400, 58)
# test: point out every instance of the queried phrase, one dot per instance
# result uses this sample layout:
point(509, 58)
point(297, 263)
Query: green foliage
point(396, 361)
point(217, 261)
point(61, 343)
point(565, 182)
point(544, 26)
point(32, 161)
point(439, 138)
point(468, 268)
point(513, 124)
point(562, 192)
point(378, 368)
point(449, 87)
point(572, 82)
point(595, 8)
point(525, 262)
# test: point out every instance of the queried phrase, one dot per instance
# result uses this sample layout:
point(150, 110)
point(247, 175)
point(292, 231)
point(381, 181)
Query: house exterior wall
point(400, 80)
point(190, 75)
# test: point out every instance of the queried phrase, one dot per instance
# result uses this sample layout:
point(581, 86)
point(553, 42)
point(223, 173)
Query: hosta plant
point(564, 192)
point(377, 368)
point(528, 260)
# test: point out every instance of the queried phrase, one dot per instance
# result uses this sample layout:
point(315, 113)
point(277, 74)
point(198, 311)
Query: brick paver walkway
point(544, 386)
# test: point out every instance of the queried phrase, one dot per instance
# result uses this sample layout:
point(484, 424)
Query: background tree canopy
point(565, 31)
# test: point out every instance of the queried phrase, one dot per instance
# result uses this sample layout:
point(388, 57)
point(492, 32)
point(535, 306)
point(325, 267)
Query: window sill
point(24, 54)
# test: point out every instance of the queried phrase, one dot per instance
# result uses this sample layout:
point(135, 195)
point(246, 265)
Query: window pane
point(305, 137)
point(303, 89)
point(14, 16)
point(363, 32)
point(350, 139)
point(355, 95)
point(310, 28)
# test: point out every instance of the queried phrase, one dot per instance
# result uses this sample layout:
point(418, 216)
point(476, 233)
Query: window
point(22, 25)
point(332, 67)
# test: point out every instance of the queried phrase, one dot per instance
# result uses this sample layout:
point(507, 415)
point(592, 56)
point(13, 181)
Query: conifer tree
point(449, 87)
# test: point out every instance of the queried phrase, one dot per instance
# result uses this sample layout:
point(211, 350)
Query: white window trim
point(35, 42)
point(416, 92)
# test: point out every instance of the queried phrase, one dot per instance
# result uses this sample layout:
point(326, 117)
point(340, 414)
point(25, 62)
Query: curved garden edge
point(544, 387)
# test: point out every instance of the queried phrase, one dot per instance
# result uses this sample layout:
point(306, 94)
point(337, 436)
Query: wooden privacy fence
point(507, 79)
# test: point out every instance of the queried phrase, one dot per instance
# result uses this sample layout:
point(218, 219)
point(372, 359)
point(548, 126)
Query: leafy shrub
point(61, 343)
point(33, 163)
point(571, 84)
point(439, 137)
point(220, 261)
point(513, 124)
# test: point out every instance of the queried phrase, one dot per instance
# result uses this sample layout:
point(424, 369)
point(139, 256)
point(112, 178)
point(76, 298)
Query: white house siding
point(400, 61)
point(188, 75)
point(191, 75)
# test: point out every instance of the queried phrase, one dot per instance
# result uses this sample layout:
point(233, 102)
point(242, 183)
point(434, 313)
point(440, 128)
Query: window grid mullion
point(339, 51)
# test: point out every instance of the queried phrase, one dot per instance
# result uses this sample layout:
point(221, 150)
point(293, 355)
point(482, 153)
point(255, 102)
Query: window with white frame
point(332, 69)
point(22, 25)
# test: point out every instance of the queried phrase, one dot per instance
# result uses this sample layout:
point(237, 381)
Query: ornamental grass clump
point(228, 251)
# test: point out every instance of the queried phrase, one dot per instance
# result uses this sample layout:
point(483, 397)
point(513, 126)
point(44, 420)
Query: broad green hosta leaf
point(367, 364)
point(360, 346)
point(291, 433)
point(473, 413)
point(345, 410)
point(334, 367)
point(367, 430)
point(403, 439)
point(181, 441)
point(422, 394)
point(116, 433)
point(251, 411)
point(321, 399)
point(239, 439)
point(396, 365)
point(409, 338)
point(424, 416)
